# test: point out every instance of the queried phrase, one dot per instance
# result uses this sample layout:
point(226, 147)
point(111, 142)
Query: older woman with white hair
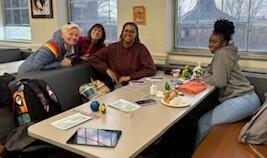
point(55, 53)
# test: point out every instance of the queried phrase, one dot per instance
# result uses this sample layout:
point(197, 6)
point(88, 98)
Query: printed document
point(71, 121)
point(125, 105)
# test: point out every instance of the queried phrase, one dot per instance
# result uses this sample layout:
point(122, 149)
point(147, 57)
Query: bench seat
point(221, 142)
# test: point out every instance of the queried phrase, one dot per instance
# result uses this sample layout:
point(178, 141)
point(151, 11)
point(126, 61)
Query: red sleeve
point(148, 67)
point(80, 45)
point(99, 60)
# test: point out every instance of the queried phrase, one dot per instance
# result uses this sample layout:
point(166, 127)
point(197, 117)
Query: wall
point(43, 28)
point(157, 34)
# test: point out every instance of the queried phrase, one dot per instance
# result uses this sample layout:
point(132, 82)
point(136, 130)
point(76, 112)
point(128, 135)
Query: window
point(195, 19)
point(86, 13)
point(16, 20)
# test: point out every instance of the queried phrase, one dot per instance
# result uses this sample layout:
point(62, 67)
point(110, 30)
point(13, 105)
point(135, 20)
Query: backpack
point(34, 101)
point(5, 92)
point(255, 131)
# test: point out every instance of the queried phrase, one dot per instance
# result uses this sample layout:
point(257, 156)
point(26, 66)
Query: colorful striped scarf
point(53, 47)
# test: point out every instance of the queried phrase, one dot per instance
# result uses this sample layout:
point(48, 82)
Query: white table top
point(139, 128)
point(10, 67)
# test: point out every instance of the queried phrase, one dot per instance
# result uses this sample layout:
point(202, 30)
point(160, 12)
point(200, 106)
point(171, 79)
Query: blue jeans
point(230, 110)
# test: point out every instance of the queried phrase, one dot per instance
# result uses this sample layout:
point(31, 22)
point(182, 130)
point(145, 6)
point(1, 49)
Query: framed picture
point(139, 15)
point(41, 8)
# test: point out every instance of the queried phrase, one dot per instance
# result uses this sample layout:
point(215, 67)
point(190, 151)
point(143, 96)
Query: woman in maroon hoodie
point(125, 60)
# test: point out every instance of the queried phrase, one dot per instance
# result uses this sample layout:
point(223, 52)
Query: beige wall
point(43, 29)
point(157, 34)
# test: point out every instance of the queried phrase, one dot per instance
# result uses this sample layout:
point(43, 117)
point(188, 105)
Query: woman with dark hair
point(236, 95)
point(125, 60)
point(93, 42)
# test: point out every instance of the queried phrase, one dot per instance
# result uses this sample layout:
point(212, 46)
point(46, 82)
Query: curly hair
point(225, 28)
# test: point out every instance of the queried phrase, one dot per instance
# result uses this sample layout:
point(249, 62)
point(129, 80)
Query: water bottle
point(153, 89)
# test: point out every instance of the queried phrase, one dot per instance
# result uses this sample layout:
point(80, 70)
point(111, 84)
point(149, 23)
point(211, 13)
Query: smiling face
point(71, 36)
point(129, 34)
point(216, 42)
point(96, 33)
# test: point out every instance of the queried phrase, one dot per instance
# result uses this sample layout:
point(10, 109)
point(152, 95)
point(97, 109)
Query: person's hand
point(112, 75)
point(124, 79)
point(65, 62)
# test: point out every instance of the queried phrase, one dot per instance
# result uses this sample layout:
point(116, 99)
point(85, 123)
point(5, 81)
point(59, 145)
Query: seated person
point(93, 42)
point(55, 53)
point(237, 97)
point(125, 60)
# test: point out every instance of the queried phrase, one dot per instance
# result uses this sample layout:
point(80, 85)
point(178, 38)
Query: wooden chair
point(221, 142)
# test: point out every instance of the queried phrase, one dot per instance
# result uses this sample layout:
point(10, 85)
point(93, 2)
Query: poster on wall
point(139, 15)
point(41, 9)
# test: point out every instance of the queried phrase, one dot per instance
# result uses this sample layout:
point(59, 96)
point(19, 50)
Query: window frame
point(6, 38)
point(261, 56)
point(107, 40)
point(17, 8)
point(204, 52)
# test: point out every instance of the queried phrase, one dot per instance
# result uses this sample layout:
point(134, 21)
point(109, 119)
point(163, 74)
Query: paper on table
point(124, 105)
point(71, 121)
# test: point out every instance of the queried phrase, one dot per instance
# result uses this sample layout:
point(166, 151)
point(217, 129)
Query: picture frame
point(41, 8)
point(139, 15)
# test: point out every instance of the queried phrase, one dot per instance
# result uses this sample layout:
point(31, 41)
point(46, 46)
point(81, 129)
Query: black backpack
point(34, 101)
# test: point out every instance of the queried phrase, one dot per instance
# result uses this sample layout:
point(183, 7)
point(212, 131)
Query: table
point(10, 67)
point(139, 128)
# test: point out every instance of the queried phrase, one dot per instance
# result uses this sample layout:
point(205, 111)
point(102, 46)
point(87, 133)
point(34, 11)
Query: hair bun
point(224, 27)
